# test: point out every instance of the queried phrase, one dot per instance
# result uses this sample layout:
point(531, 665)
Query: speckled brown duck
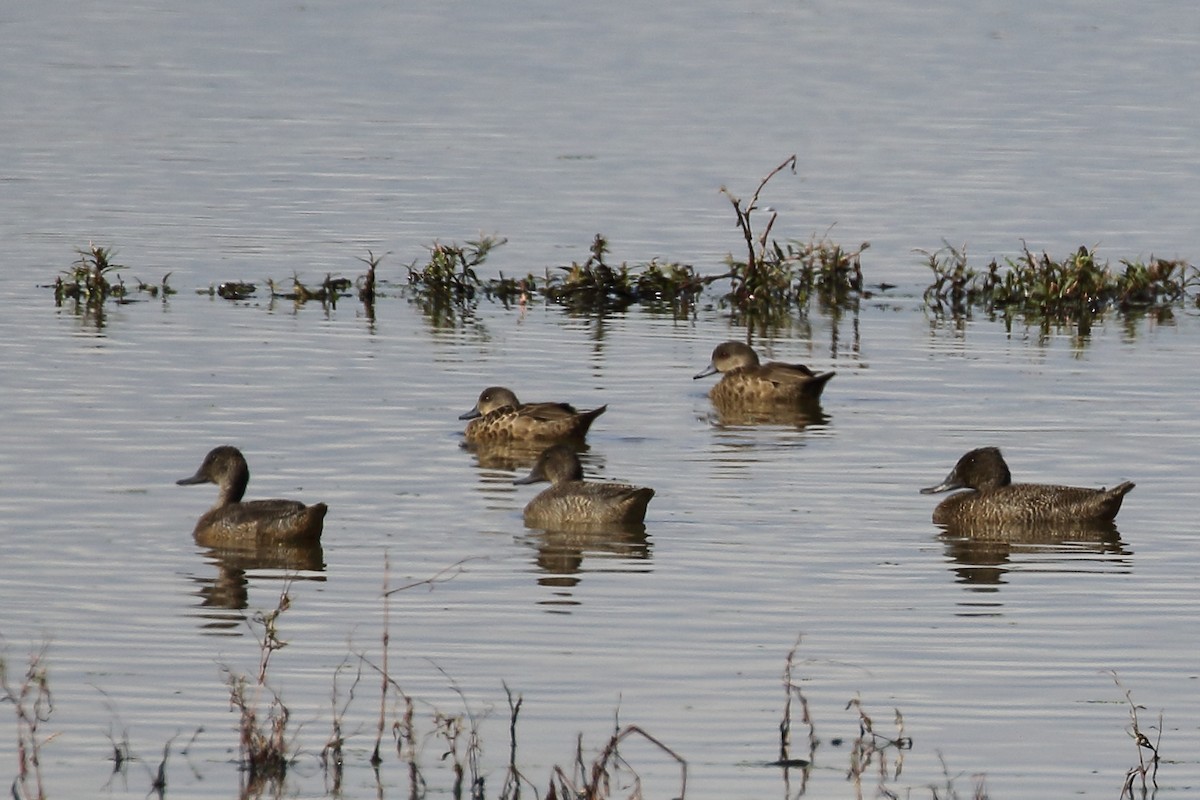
point(993, 499)
point(747, 383)
point(255, 523)
point(571, 501)
point(499, 417)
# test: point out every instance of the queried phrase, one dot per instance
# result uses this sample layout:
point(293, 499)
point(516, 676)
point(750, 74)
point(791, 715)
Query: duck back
point(1031, 504)
point(259, 522)
point(773, 383)
point(582, 503)
point(532, 422)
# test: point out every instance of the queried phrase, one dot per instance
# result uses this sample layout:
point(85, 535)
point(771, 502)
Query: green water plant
point(1044, 290)
point(235, 290)
point(89, 280)
point(94, 278)
point(327, 292)
point(775, 280)
point(366, 282)
point(597, 286)
point(446, 286)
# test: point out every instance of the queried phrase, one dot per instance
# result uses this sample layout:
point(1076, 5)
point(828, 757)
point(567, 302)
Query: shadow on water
point(981, 556)
point(559, 555)
point(515, 456)
point(798, 417)
point(224, 596)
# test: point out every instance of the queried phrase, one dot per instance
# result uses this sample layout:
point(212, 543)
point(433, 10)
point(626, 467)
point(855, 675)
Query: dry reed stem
point(1144, 767)
point(596, 778)
point(263, 744)
point(511, 790)
point(754, 258)
point(376, 759)
point(331, 753)
point(474, 747)
point(33, 704)
point(871, 747)
point(792, 691)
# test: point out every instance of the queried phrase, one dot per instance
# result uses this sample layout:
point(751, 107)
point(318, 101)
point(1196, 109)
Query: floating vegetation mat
point(767, 286)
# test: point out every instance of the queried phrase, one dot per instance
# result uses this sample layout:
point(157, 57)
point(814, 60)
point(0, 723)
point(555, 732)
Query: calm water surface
point(223, 143)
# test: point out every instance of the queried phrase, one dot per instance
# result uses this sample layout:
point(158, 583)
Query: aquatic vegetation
point(1146, 767)
point(328, 292)
point(263, 746)
point(771, 287)
point(596, 286)
point(1045, 291)
point(776, 280)
point(366, 283)
point(446, 286)
point(870, 750)
point(236, 290)
point(32, 703)
point(88, 282)
point(268, 749)
point(94, 278)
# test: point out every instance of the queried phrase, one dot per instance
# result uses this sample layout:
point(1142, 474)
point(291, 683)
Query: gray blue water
point(224, 142)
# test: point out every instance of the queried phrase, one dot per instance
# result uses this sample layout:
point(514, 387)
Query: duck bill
point(472, 414)
point(530, 478)
point(709, 370)
point(951, 482)
point(197, 478)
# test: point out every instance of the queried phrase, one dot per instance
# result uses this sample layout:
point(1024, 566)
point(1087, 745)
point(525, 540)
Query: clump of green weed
point(236, 290)
point(774, 280)
point(88, 281)
point(596, 286)
point(327, 292)
point(592, 285)
point(1046, 291)
point(510, 291)
point(446, 286)
point(94, 278)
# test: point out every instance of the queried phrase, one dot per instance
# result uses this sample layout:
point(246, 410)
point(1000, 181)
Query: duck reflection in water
point(981, 562)
point(230, 589)
point(751, 392)
point(985, 527)
point(561, 554)
point(512, 456)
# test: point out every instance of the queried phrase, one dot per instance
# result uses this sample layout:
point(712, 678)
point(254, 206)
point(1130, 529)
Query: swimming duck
point(746, 382)
point(499, 416)
point(995, 499)
point(571, 501)
point(253, 523)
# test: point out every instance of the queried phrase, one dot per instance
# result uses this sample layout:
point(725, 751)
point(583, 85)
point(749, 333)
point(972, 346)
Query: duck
point(746, 382)
point(993, 499)
point(499, 417)
point(571, 501)
point(232, 522)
